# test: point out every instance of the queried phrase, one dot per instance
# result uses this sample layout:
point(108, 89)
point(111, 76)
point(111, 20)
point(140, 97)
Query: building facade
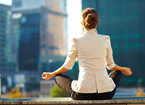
point(41, 31)
point(7, 52)
point(123, 21)
point(45, 87)
point(7, 47)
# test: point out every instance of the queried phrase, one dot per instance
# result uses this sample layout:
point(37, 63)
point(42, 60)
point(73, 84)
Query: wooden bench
point(69, 101)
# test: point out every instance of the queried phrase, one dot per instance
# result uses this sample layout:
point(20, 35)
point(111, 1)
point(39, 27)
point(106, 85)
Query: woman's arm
point(125, 70)
point(58, 71)
point(69, 62)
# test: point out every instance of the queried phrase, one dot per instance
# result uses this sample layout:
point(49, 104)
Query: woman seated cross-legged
point(94, 54)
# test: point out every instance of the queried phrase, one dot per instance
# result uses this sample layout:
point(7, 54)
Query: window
point(17, 3)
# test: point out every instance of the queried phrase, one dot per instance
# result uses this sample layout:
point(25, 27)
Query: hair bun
point(91, 19)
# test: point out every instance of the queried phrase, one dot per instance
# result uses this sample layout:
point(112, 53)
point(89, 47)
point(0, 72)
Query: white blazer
point(94, 54)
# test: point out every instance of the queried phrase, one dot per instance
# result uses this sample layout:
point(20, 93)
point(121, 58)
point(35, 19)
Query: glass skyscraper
point(7, 46)
point(123, 21)
point(41, 33)
point(7, 51)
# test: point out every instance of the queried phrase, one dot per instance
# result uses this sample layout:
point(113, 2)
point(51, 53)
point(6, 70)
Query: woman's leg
point(64, 82)
point(116, 76)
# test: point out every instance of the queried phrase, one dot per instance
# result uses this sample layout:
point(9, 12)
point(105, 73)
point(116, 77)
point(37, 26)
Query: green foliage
point(56, 91)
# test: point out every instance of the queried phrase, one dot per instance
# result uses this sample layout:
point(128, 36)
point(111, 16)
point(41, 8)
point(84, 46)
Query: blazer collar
point(90, 31)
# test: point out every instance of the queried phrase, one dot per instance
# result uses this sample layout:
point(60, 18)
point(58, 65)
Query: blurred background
point(34, 36)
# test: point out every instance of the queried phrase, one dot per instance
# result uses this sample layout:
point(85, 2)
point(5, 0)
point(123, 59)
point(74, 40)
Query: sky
point(73, 11)
point(74, 21)
point(8, 2)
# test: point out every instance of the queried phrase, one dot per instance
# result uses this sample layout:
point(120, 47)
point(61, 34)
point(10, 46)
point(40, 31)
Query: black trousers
point(64, 82)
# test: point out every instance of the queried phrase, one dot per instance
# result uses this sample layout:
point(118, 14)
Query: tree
point(56, 91)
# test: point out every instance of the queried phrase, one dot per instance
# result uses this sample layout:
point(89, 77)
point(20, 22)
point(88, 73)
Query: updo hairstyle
point(90, 18)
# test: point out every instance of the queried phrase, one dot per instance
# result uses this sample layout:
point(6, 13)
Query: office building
point(123, 21)
point(7, 51)
point(40, 27)
point(43, 32)
point(45, 87)
point(7, 47)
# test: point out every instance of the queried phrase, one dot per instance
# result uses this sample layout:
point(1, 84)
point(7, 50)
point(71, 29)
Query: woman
point(94, 54)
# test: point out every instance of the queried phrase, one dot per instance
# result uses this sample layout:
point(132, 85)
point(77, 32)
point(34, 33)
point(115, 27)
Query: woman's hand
point(126, 71)
point(47, 76)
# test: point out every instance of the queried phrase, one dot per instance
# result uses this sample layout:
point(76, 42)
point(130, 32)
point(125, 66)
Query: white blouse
point(94, 54)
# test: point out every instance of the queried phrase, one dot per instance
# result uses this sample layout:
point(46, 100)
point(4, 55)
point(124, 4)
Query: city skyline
point(73, 14)
point(39, 47)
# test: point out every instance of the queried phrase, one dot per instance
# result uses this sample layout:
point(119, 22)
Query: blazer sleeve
point(109, 57)
point(72, 54)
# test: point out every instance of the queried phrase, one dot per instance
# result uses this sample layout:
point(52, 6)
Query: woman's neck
point(90, 30)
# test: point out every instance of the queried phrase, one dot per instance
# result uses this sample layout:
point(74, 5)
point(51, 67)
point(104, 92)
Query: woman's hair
point(90, 18)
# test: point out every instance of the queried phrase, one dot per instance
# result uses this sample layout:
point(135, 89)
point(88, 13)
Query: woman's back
point(92, 52)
